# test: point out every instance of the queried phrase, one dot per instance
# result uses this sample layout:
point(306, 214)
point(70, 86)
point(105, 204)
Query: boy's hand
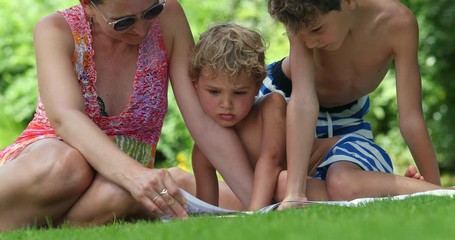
point(293, 202)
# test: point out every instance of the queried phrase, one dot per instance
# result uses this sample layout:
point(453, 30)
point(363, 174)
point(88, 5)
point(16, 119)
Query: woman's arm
point(220, 145)
point(62, 98)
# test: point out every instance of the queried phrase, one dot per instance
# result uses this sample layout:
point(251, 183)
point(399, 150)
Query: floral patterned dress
point(137, 129)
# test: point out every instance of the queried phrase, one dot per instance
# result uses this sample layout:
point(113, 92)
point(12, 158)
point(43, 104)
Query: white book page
point(197, 206)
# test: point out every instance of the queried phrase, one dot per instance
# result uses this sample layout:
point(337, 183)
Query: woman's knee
point(58, 168)
point(75, 168)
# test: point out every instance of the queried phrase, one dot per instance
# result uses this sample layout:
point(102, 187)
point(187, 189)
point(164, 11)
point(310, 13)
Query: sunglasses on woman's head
point(128, 21)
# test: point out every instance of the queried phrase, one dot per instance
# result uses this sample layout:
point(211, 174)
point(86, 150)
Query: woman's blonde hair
point(231, 50)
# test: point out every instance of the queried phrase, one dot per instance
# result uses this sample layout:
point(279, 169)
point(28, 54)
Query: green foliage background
point(18, 88)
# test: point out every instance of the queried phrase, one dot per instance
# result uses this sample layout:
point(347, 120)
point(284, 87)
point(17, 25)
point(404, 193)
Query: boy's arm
point(409, 96)
point(205, 175)
point(273, 150)
point(301, 117)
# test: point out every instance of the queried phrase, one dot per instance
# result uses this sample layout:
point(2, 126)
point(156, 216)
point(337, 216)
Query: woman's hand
point(158, 192)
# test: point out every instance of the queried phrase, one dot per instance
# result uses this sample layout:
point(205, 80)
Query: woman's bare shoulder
point(174, 24)
point(52, 28)
point(52, 22)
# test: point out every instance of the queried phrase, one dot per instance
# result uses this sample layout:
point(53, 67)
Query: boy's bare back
point(377, 28)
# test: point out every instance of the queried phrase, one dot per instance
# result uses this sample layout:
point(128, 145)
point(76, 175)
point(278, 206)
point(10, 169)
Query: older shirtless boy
point(340, 51)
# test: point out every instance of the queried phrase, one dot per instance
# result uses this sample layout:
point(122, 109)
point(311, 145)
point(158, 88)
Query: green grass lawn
point(427, 217)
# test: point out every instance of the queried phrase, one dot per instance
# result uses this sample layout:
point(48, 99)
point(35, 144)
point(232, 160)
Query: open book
point(196, 206)
point(199, 207)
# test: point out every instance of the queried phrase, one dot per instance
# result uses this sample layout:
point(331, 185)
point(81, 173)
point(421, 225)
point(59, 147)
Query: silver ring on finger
point(162, 192)
point(155, 198)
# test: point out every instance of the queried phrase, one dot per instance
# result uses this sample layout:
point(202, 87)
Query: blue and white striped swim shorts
point(356, 144)
point(357, 149)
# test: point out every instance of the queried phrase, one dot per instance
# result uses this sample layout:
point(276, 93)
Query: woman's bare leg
point(105, 202)
point(41, 184)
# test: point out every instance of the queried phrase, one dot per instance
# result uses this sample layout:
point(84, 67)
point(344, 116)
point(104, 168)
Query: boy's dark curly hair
point(297, 13)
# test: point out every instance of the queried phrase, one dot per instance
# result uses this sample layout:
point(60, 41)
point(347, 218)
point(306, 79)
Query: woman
point(86, 156)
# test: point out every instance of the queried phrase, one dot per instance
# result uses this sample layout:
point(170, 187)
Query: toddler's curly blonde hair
point(231, 50)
